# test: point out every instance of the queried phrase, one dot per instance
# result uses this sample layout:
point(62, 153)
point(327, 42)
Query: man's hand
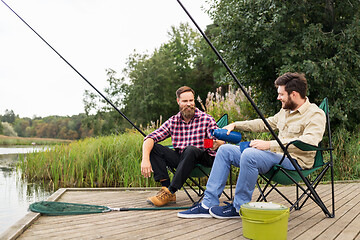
point(260, 144)
point(146, 168)
point(216, 144)
point(229, 127)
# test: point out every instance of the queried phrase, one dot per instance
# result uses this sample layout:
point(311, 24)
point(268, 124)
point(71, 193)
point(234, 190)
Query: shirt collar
point(304, 107)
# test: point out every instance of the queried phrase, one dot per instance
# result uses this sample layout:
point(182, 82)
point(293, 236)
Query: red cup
point(208, 143)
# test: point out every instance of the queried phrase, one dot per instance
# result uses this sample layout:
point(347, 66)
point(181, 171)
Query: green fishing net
point(62, 208)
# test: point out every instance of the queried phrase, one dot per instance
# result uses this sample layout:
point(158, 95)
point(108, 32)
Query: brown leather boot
point(163, 197)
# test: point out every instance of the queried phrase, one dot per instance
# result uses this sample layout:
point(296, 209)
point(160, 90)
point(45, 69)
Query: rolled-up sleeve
point(161, 133)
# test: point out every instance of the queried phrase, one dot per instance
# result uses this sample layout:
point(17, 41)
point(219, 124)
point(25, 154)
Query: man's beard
point(290, 104)
point(187, 112)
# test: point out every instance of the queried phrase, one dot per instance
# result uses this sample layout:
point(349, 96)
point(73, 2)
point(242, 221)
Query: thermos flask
point(233, 137)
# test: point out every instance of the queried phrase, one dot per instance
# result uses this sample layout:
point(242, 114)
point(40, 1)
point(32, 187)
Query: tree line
point(259, 40)
point(48, 127)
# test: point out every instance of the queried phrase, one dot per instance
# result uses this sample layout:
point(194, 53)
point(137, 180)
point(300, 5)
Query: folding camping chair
point(279, 175)
point(201, 171)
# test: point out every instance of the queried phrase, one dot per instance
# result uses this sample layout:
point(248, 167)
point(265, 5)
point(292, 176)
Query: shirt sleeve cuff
point(274, 146)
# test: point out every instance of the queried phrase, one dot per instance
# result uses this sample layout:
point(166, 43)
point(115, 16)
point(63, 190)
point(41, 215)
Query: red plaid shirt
point(185, 134)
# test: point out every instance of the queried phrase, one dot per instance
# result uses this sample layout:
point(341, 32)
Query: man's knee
point(225, 148)
point(191, 153)
point(228, 151)
point(248, 157)
point(191, 149)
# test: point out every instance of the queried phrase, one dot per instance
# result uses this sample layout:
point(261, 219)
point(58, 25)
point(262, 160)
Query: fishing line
point(234, 77)
point(107, 100)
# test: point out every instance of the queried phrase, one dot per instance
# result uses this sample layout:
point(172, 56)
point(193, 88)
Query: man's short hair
point(293, 82)
point(184, 89)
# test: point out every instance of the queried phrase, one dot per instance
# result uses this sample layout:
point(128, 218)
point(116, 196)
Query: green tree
point(154, 79)
point(8, 130)
point(263, 39)
point(9, 116)
point(147, 90)
point(20, 126)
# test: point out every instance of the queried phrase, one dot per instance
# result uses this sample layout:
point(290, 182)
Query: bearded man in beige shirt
point(298, 119)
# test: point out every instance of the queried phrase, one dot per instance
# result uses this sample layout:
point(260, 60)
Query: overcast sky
point(92, 35)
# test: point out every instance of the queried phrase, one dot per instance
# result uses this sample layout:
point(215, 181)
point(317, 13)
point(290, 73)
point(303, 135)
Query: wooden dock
point(308, 223)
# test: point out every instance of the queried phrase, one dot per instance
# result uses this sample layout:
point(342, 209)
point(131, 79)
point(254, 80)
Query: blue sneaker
point(196, 211)
point(224, 212)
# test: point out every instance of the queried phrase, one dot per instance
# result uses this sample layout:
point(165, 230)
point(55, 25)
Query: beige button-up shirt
point(306, 124)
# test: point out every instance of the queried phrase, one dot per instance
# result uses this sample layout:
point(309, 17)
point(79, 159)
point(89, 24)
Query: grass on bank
point(93, 162)
point(114, 161)
point(7, 141)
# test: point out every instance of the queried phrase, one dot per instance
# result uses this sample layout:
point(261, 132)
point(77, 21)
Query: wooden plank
point(316, 224)
point(345, 215)
point(351, 230)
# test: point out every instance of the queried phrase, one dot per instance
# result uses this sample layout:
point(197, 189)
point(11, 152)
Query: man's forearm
point(147, 147)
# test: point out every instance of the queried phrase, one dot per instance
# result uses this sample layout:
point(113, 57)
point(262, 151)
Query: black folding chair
point(279, 175)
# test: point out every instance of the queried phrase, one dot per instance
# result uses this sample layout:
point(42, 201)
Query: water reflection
point(16, 194)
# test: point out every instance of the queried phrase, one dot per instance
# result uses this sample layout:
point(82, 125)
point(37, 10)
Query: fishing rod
point(297, 168)
point(102, 95)
point(234, 77)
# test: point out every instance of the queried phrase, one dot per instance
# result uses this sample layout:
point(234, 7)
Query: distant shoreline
point(6, 140)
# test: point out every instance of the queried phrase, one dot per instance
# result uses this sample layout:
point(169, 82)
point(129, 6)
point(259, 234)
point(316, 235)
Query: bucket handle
point(271, 220)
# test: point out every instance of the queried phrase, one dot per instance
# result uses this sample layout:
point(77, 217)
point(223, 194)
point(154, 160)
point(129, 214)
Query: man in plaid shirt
point(187, 129)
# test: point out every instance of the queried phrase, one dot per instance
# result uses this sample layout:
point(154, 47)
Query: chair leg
point(297, 199)
point(187, 193)
point(261, 193)
point(231, 190)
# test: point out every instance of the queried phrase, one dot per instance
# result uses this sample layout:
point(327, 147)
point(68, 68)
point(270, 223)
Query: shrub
point(8, 130)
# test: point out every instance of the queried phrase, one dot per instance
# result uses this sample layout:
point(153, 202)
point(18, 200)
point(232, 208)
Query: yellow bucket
point(264, 220)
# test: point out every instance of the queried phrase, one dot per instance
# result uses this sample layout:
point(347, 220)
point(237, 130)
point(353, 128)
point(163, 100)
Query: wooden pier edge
point(24, 223)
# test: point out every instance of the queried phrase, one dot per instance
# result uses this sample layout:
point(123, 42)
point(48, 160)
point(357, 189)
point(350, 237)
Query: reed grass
point(112, 161)
point(346, 154)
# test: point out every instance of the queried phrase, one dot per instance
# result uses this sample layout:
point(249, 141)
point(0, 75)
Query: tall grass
point(346, 154)
point(92, 162)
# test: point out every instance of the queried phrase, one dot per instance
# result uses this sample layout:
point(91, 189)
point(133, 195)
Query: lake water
point(16, 194)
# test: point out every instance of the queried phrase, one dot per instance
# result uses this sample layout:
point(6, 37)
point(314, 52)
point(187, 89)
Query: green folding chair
point(201, 171)
point(279, 175)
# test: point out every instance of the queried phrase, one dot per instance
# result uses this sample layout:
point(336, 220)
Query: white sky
point(92, 35)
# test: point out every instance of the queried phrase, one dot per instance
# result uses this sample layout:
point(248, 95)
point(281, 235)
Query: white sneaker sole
point(180, 215)
point(220, 217)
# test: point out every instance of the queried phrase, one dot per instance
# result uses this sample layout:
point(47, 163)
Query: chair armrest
point(305, 146)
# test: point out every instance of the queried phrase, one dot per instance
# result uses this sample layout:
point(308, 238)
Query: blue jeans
point(251, 162)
